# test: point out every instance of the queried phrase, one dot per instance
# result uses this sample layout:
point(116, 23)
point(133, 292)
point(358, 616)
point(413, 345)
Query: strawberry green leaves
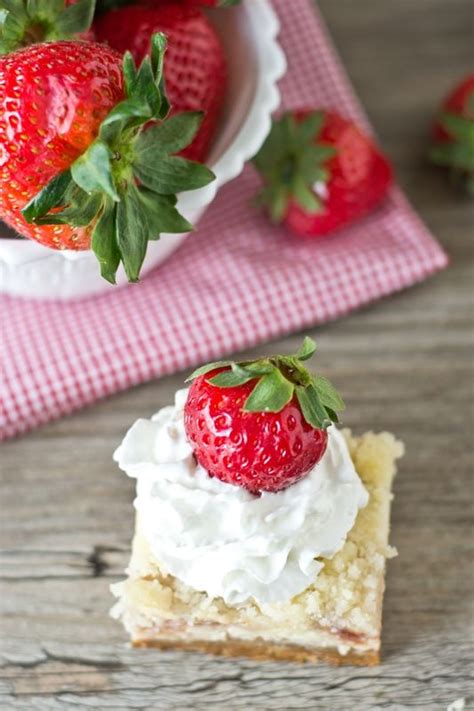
point(307, 350)
point(291, 161)
point(92, 171)
point(123, 187)
point(73, 19)
point(51, 196)
point(175, 133)
point(278, 380)
point(25, 22)
point(232, 378)
point(271, 393)
point(319, 400)
point(327, 393)
point(204, 369)
point(162, 213)
point(312, 408)
point(104, 244)
point(168, 175)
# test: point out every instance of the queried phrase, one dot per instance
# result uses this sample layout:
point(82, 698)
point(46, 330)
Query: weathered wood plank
point(404, 364)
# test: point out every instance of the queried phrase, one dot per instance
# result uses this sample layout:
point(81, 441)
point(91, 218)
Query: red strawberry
point(453, 134)
point(195, 69)
point(260, 424)
point(320, 172)
point(72, 144)
point(23, 23)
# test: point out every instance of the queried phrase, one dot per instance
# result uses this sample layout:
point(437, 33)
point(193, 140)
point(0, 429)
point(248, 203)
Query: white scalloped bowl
point(255, 63)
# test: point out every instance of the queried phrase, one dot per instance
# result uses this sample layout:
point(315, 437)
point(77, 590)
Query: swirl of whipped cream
point(219, 538)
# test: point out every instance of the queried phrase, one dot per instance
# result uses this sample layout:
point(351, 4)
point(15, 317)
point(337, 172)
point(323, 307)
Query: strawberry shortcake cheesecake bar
point(261, 527)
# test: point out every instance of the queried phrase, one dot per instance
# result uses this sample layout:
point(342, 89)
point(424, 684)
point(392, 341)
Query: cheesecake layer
point(336, 619)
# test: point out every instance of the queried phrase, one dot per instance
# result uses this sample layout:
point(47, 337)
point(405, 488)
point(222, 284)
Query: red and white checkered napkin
point(236, 282)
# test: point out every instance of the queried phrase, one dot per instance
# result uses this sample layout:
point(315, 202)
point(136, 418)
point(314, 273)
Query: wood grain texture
point(404, 364)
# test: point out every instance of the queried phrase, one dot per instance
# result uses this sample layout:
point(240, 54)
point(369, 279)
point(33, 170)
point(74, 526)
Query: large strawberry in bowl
point(195, 68)
point(77, 167)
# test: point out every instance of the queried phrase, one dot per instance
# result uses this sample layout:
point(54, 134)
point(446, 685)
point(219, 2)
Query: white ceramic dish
point(256, 62)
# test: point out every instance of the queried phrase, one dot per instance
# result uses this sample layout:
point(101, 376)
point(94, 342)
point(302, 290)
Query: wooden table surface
point(404, 364)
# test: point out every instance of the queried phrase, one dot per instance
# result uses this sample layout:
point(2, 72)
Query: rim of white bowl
point(247, 142)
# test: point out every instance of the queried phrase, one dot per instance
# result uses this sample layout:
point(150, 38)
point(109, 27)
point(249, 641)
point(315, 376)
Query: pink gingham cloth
point(236, 282)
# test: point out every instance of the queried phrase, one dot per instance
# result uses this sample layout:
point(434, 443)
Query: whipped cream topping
point(219, 538)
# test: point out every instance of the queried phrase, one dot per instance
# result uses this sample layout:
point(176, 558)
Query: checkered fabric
point(236, 282)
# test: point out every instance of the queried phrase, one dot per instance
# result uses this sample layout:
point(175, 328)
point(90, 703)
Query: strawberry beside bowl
point(255, 63)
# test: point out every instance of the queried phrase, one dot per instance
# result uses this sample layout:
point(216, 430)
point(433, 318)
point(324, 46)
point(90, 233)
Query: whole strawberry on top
point(77, 170)
point(320, 172)
point(23, 22)
point(260, 424)
point(453, 134)
point(195, 67)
